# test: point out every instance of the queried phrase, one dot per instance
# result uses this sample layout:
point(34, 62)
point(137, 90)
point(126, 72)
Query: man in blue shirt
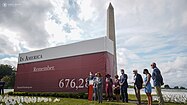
point(123, 86)
point(157, 82)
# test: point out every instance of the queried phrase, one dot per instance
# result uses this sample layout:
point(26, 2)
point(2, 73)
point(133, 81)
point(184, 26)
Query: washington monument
point(111, 32)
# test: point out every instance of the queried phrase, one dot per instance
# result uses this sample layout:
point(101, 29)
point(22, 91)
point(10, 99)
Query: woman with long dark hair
point(148, 87)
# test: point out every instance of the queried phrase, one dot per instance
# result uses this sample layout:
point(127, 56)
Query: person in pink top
point(108, 87)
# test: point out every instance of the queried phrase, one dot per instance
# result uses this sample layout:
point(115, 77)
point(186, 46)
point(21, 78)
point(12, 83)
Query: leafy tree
point(176, 87)
point(5, 70)
point(166, 86)
point(13, 78)
point(7, 74)
point(7, 81)
point(182, 87)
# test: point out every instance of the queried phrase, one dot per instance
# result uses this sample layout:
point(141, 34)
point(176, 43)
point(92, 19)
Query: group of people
point(97, 82)
point(157, 82)
point(119, 86)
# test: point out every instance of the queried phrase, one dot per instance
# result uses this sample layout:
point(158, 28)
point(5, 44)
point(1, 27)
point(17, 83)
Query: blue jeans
point(124, 94)
point(100, 94)
point(95, 95)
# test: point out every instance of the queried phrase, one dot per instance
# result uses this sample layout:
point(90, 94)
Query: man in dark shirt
point(123, 86)
point(157, 82)
point(138, 81)
point(2, 87)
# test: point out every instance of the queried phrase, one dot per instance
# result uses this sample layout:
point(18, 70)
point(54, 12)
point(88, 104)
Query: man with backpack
point(157, 82)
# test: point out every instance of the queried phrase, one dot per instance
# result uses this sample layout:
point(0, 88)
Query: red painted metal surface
point(63, 74)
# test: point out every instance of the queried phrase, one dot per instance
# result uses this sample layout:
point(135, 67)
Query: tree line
point(7, 74)
point(176, 87)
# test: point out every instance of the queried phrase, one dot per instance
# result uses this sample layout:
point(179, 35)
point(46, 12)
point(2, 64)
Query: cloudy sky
point(146, 31)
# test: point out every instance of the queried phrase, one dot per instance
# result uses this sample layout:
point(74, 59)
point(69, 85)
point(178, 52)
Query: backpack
point(161, 80)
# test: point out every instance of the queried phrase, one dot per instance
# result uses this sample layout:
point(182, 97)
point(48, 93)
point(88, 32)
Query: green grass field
point(71, 101)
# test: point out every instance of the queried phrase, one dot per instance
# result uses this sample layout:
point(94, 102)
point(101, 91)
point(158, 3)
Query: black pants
point(124, 94)
point(1, 90)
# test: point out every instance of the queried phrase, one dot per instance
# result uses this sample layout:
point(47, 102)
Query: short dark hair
point(153, 64)
point(116, 76)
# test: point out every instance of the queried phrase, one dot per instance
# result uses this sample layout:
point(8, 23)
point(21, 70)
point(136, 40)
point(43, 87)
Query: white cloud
point(86, 10)
point(9, 45)
point(184, 19)
point(10, 61)
point(55, 32)
point(174, 72)
point(127, 53)
point(27, 21)
point(62, 28)
point(179, 64)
